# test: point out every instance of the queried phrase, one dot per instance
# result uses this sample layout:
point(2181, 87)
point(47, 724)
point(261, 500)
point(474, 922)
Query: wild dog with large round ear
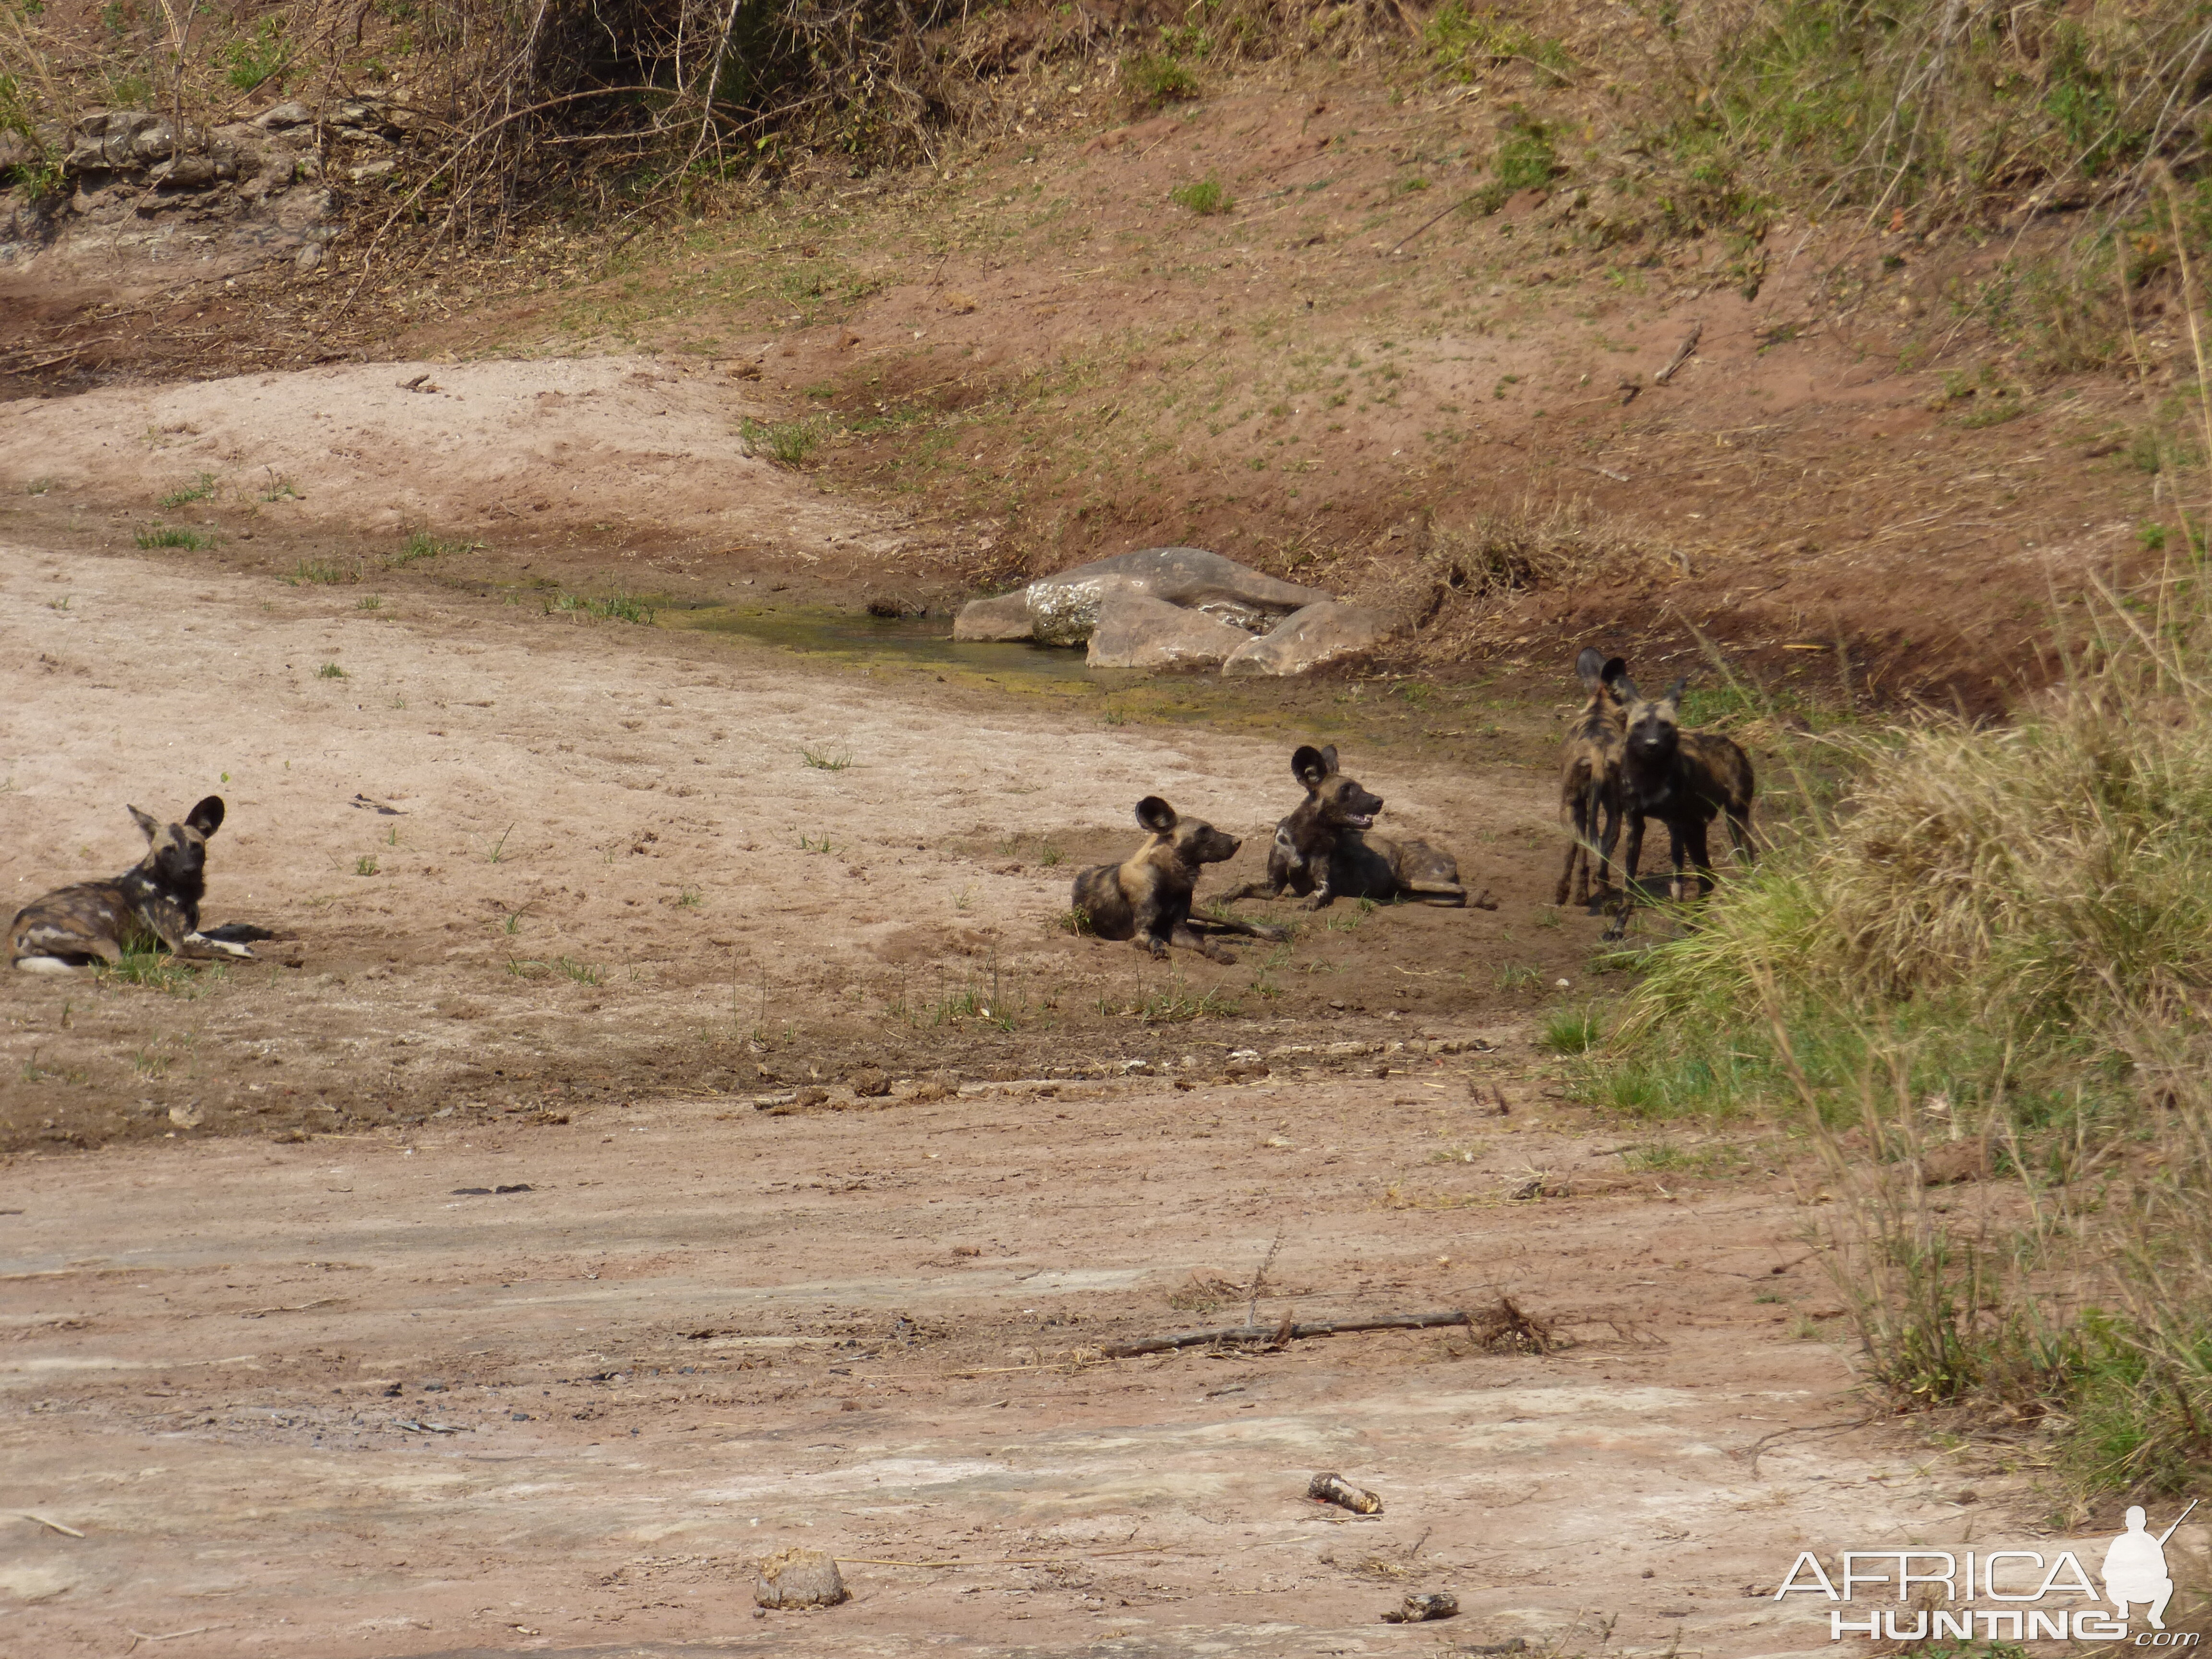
point(155, 904)
point(1685, 780)
point(1589, 778)
point(1147, 898)
point(1329, 847)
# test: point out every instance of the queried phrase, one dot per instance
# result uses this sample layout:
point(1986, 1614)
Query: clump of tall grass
point(1993, 959)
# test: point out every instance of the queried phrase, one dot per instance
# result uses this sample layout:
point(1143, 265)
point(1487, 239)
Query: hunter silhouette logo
point(2134, 1572)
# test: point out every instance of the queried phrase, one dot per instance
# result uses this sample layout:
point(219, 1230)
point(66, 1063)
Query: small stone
point(799, 1578)
point(309, 255)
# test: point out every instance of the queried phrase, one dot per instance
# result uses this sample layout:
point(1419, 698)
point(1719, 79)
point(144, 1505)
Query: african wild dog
point(1590, 780)
point(155, 905)
point(1328, 849)
point(1685, 780)
point(1147, 899)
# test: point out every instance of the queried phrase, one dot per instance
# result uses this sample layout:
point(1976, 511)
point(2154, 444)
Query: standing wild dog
point(1589, 778)
point(1328, 849)
point(155, 904)
point(1683, 779)
point(1147, 899)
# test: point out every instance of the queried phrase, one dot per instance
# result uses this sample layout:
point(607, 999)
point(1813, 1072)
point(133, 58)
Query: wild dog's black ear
point(1589, 666)
point(150, 826)
point(1674, 691)
point(1328, 758)
point(1614, 673)
point(206, 817)
point(1156, 815)
point(1625, 688)
point(1310, 765)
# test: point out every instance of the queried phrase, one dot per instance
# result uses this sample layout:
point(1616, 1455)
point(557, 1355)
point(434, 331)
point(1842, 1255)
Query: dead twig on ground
point(52, 1526)
point(1286, 1332)
point(1681, 354)
point(1002, 1560)
point(1759, 1447)
point(139, 1635)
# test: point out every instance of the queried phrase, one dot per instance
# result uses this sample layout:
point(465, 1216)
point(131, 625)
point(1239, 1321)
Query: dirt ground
point(338, 1399)
point(558, 919)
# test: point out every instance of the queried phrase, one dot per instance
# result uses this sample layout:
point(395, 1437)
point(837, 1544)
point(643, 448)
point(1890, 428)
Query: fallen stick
point(139, 1635)
point(1431, 224)
point(1002, 1560)
point(1286, 1332)
point(56, 1526)
point(1681, 354)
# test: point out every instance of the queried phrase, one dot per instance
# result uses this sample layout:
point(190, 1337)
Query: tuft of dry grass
point(1447, 594)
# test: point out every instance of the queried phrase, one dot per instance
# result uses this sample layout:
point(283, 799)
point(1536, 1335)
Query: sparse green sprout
point(689, 899)
point(173, 536)
point(422, 544)
point(1076, 921)
point(1572, 1032)
point(320, 573)
point(38, 486)
point(279, 488)
point(583, 973)
point(200, 491)
point(823, 761)
point(1205, 197)
point(787, 443)
point(621, 607)
point(369, 602)
point(365, 865)
point(1157, 78)
point(330, 671)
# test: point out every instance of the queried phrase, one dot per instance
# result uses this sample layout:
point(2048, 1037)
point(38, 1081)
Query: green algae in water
point(915, 642)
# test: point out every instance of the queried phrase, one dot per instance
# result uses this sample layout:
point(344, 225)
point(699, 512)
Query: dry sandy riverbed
point(556, 910)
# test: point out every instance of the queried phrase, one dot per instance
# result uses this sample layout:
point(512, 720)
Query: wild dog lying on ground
point(153, 906)
point(1147, 899)
point(1685, 780)
point(1590, 780)
point(1328, 849)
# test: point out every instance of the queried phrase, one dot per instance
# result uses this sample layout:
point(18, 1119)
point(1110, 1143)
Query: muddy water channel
point(1479, 724)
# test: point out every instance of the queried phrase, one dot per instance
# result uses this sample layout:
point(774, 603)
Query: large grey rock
point(1304, 640)
point(1004, 617)
point(1135, 631)
point(799, 1578)
point(1065, 606)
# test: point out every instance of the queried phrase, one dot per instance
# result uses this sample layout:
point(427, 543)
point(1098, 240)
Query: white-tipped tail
point(44, 965)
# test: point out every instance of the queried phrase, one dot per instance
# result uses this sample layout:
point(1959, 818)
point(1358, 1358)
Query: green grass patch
point(1204, 196)
point(169, 534)
point(203, 489)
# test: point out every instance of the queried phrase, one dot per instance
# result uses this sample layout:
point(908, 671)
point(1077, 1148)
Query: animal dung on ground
point(799, 1578)
point(869, 1084)
point(1422, 1606)
point(1336, 1489)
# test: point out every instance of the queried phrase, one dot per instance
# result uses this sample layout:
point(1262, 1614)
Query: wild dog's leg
point(176, 928)
point(1575, 877)
point(1450, 891)
point(1608, 801)
point(1187, 935)
point(1701, 855)
point(1156, 920)
point(1619, 928)
point(1237, 923)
